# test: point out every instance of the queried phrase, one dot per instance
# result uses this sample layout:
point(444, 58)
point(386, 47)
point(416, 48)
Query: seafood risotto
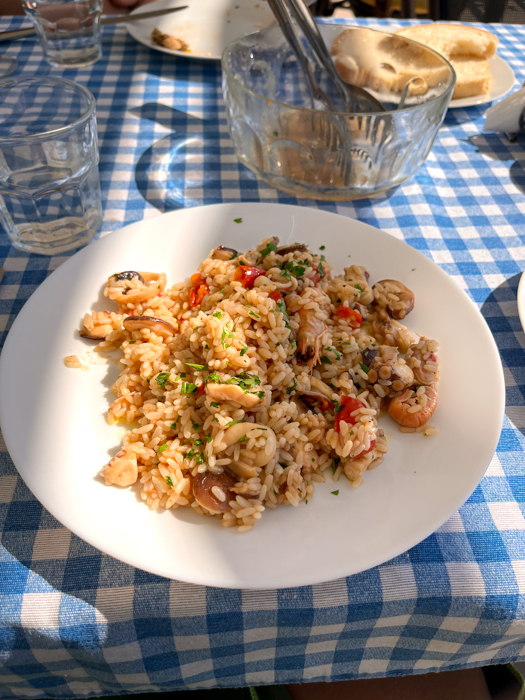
point(251, 382)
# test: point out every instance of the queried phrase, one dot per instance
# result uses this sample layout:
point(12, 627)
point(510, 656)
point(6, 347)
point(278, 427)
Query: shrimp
point(308, 336)
point(412, 409)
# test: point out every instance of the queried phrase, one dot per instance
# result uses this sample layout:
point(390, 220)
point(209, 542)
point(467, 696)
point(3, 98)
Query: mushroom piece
point(368, 355)
point(212, 491)
point(242, 470)
point(155, 325)
point(241, 431)
point(309, 335)
point(232, 392)
point(294, 248)
point(222, 252)
point(87, 334)
point(122, 470)
point(314, 399)
point(129, 275)
point(406, 297)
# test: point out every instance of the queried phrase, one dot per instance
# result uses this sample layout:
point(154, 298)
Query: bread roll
point(453, 39)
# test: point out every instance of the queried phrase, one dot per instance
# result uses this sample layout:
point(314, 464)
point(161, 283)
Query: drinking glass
point(49, 183)
point(69, 30)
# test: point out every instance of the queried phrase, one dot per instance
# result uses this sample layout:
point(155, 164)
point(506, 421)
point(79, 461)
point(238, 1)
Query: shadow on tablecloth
point(500, 311)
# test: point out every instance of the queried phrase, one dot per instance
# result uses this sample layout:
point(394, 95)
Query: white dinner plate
point(53, 418)
point(207, 26)
point(521, 300)
point(502, 82)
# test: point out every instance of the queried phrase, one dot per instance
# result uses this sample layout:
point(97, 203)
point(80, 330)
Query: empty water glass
point(49, 184)
point(69, 30)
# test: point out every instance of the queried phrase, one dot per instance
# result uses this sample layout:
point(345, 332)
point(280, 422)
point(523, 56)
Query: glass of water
point(49, 183)
point(69, 30)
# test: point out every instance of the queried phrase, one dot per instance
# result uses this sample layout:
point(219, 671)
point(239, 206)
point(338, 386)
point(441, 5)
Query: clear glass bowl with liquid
point(323, 155)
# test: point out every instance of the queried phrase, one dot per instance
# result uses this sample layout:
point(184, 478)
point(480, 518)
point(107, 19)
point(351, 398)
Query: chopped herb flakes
point(292, 388)
point(217, 314)
point(271, 246)
point(244, 350)
point(161, 448)
point(174, 425)
point(252, 313)
point(291, 267)
point(242, 439)
point(364, 367)
point(325, 360)
point(232, 422)
point(335, 493)
point(213, 377)
point(238, 221)
point(275, 133)
point(214, 404)
point(169, 481)
point(132, 342)
point(208, 438)
point(226, 333)
point(197, 367)
point(322, 247)
point(261, 394)
point(188, 388)
point(162, 378)
point(196, 426)
point(358, 286)
point(198, 442)
point(320, 270)
point(183, 374)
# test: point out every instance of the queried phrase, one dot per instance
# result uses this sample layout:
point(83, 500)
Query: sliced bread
point(453, 39)
point(385, 63)
point(473, 76)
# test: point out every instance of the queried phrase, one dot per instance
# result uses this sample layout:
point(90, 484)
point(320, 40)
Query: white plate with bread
point(482, 76)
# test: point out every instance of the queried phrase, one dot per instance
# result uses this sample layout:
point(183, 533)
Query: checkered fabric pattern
point(74, 622)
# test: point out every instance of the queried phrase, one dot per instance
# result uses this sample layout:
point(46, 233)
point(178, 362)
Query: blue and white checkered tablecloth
point(75, 622)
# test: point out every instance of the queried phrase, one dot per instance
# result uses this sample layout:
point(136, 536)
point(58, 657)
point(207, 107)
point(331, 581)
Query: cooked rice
point(235, 397)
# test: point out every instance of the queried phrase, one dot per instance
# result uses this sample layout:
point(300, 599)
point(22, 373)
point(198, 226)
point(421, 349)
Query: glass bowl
point(327, 155)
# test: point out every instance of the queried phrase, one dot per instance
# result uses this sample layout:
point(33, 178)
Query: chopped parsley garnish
point(358, 286)
point(196, 426)
point(213, 377)
point(217, 314)
point(252, 313)
point(132, 342)
point(214, 404)
point(226, 333)
point(242, 439)
point(276, 492)
point(300, 491)
point(292, 388)
point(244, 350)
point(162, 378)
point(208, 438)
point(169, 481)
point(335, 493)
point(245, 381)
point(194, 366)
point(238, 221)
point(277, 345)
point(339, 409)
point(293, 345)
point(163, 447)
point(320, 270)
point(188, 388)
point(325, 360)
point(148, 379)
point(206, 347)
point(364, 367)
point(232, 422)
point(198, 442)
point(271, 246)
point(336, 352)
point(296, 270)
point(286, 275)
point(335, 464)
point(183, 374)
point(261, 394)
point(275, 133)
point(322, 247)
